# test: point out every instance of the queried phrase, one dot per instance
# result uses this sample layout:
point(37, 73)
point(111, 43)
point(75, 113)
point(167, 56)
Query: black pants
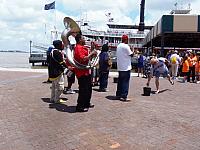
point(85, 91)
point(103, 79)
point(191, 71)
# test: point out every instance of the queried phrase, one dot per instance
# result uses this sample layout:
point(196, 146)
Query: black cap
point(58, 44)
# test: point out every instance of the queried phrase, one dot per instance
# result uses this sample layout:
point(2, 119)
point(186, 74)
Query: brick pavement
point(169, 120)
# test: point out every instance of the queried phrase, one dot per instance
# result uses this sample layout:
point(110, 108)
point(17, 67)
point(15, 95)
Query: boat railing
point(38, 54)
point(113, 34)
point(131, 45)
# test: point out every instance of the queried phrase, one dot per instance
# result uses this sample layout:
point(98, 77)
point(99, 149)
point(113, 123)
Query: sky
point(22, 21)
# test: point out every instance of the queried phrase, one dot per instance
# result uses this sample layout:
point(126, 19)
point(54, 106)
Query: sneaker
point(69, 91)
point(183, 81)
point(124, 99)
point(60, 101)
point(158, 91)
point(172, 82)
point(48, 81)
point(91, 105)
point(103, 90)
point(79, 109)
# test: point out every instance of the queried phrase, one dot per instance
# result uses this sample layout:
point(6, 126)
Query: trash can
point(147, 91)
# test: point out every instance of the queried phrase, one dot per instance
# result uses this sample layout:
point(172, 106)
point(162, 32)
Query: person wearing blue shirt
point(104, 66)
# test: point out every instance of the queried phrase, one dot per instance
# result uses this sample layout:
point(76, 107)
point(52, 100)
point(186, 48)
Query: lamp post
point(30, 46)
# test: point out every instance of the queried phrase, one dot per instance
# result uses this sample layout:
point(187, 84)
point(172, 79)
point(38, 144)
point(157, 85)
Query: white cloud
point(22, 21)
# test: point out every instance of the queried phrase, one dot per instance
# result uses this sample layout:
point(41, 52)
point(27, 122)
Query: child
point(185, 68)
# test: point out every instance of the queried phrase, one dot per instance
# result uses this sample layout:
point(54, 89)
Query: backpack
point(173, 60)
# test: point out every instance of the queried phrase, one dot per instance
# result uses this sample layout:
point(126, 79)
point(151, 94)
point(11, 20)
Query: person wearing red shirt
point(82, 56)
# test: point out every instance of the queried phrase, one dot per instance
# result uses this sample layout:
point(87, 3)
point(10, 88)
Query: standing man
point(124, 67)
point(175, 61)
point(56, 69)
point(70, 75)
point(48, 59)
point(82, 56)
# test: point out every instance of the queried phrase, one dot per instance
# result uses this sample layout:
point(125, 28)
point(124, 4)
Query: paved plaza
point(169, 120)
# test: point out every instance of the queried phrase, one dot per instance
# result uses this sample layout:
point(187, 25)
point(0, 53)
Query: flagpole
point(51, 6)
point(55, 14)
point(45, 33)
point(55, 23)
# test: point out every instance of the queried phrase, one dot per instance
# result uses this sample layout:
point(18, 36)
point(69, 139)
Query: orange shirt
point(197, 67)
point(185, 66)
point(189, 61)
point(192, 61)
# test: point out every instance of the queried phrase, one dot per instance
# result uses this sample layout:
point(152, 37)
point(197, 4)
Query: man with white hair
point(158, 68)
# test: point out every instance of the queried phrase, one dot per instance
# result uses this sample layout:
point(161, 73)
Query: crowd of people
point(184, 65)
point(62, 74)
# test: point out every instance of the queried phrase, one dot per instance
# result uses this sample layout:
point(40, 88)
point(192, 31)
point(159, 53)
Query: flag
point(49, 6)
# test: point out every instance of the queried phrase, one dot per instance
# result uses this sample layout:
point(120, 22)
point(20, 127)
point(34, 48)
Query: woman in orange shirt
point(185, 68)
point(192, 61)
point(197, 70)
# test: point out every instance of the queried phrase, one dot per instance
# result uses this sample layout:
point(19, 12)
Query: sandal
point(172, 82)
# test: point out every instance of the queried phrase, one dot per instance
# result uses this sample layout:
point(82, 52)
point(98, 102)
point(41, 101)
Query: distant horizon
point(18, 51)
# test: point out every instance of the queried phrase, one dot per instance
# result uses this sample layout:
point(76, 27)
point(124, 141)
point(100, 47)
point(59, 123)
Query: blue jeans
point(103, 79)
point(123, 84)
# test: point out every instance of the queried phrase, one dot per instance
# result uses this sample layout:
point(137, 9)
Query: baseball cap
point(124, 37)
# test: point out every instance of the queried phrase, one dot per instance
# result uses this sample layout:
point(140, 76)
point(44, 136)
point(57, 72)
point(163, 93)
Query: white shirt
point(72, 40)
point(123, 57)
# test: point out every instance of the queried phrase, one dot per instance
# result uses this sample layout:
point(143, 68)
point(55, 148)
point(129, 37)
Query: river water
point(14, 60)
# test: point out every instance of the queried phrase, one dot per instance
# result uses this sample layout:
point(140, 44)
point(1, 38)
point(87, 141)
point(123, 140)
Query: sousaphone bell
point(72, 27)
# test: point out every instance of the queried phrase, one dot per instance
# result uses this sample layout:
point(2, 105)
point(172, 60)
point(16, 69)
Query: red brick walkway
point(169, 120)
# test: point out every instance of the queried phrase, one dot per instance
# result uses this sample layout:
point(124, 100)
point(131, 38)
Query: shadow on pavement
point(60, 107)
point(113, 98)
point(47, 100)
point(181, 81)
point(63, 108)
point(95, 89)
point(154, 92)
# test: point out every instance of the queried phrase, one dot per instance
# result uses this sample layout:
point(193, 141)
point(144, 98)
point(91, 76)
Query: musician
point(82, 56)
point(56, 69)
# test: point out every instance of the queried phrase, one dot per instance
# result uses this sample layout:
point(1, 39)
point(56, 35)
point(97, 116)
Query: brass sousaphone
point(72, 27)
